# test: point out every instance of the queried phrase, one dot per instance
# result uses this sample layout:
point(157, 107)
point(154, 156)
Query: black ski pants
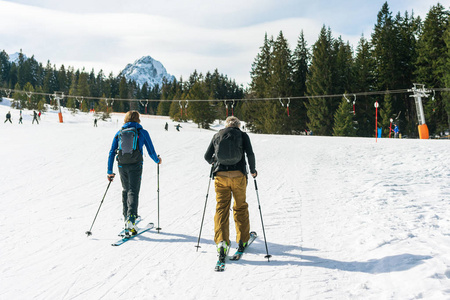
point(131, 176)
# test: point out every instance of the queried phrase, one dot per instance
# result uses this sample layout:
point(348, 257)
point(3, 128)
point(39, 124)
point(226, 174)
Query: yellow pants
point(227, 184)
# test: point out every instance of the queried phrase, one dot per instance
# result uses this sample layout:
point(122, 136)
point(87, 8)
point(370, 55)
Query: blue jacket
point(144, 139)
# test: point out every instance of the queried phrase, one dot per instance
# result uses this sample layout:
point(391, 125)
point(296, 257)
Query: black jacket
point(240, 166)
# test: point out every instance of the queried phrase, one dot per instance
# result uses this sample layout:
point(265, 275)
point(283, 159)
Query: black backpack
point(228, 146)
point(128, 151)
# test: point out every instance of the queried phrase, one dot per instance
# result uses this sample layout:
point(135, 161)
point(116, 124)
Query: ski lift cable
point(373, 93)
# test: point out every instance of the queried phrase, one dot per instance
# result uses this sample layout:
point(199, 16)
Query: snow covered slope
point(345, 218)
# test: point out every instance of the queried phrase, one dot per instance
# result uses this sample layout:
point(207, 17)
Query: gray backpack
point(128, 151)
point(228, 146)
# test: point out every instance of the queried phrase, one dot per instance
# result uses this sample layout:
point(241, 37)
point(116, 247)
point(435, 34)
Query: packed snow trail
point(345, 218)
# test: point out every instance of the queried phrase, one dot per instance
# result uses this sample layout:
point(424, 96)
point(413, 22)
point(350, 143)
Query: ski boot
point(130, 225)
point(222, 249)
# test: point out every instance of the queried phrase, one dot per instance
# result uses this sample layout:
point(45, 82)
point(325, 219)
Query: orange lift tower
point(59, 96)
point(419, 92)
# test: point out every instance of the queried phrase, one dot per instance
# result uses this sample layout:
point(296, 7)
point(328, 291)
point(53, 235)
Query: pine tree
point(102, 107)
point(393, 50)
point(386, 113)
point(30, 71)
point(255, 113)
point(176, 111)
point(343, 77)
point(446, 76)
point(383, 49)
point(73, 91)
point(364, 82)
point(63, 80)
point(41, 100)
point(50, 80)
point(100, 85)
point(300, 64)
point(32, 99)
point(83, 85)
point(201, 112)
point(260, 73)
point(5, 67)
point(21, 71)
point(13, 80)
point(164, 108)
point(343, 120)
point(431, 64)
point(320, 82)
point(280, 69)
point(71, 104)
point(279, 86)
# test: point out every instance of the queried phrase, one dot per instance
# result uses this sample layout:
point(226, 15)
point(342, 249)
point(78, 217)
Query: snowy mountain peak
point(14, 58)
point(147, 69)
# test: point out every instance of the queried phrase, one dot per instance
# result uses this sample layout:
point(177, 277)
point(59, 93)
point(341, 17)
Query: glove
point(111, 176)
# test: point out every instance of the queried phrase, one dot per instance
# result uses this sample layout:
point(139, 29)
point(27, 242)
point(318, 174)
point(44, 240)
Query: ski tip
point(219, 268)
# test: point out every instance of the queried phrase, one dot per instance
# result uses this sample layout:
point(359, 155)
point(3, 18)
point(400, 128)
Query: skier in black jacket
point(231, 180)
point(8, 117)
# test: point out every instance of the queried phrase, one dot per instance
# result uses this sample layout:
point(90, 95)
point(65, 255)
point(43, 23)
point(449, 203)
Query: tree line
point(402, 50)
point(35, 85)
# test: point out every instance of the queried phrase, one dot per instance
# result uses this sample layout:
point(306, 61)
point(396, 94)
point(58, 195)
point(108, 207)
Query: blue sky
point(183, 35)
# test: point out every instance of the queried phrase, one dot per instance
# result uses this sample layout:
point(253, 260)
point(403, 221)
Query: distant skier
point(128, 145)
point(178, 127)
point(8, 118)
point(95, 122)
point(230, 171)
point(20, 119)
point(35, 117)
point(166, 127)
point(396, 131)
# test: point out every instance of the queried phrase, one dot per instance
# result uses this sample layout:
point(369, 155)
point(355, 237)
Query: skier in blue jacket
point(131, 171)
point(396, 131)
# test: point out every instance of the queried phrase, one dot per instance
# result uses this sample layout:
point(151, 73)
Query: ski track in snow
point(345, 218)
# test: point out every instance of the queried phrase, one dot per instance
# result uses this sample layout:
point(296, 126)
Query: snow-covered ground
point(345, 218)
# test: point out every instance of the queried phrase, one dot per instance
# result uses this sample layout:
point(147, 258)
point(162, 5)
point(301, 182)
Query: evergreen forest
point(328, 88)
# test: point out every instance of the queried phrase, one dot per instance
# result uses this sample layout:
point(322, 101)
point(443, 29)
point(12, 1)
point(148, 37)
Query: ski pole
point(262, 223)
point(89, 231)
point(204, 209)
point(159, 228)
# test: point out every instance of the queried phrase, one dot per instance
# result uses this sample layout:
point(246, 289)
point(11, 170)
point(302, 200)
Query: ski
point(238, 254)
point(220, 265)
point(122, 233)
point(129, 237)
